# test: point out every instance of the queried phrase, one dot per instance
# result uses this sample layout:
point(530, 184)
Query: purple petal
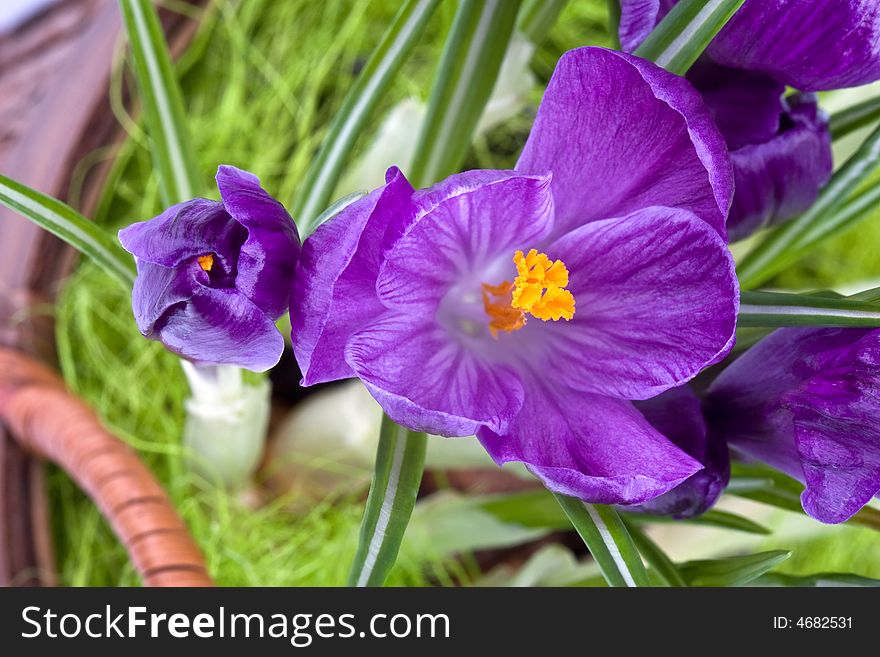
point(334, 291)
point(618, 134)
point(184, 232)
point(778, 179)
point(811, 45)
point(203, 324)
point(678, 415)
point(268, 256)
point(656, 302)
point(638, 19)
point(427, 381)
point(598, 449)
point(805, 401)
point(465, 222)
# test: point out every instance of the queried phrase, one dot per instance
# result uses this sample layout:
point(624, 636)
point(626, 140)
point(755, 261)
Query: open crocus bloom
point(780, 147)
point(213, 276)
point(527, 307)
point(807, 401)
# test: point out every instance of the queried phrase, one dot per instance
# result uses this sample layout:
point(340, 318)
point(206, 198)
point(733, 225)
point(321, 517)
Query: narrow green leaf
point(530, 509)
point(537, 17)
point(468, 70)
point(815, 580)
point(656, 557)
point(66, 223)
point(857, 116)
point(609, 542)
point(790, 241)
point(732, 571)
point(711, 518)
point(681, 37)
point(614, 23)
point(162, 101)
point(400, 461)
point(770, 309)
point(372, 84)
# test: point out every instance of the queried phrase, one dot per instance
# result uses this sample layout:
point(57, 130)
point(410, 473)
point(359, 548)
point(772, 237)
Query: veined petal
point(268, 256)
point(464, 224)
point(657, 300)
point(427, 381)
point(598, 449)
point(618, 133)
point(334, 291)
point(183, 232)
point(203, 324)
point(811, 45)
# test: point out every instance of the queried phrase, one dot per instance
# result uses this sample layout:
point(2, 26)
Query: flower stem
point(400, 461)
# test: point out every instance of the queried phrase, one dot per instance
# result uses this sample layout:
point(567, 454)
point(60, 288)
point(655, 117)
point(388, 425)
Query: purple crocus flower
point(213, 276)
point(678, 415)
point(780, 147)
point(527, 307)
point(807, 401)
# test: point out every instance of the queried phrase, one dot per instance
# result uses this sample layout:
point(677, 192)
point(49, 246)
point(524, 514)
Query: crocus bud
point(807, 402)
point(213, 276)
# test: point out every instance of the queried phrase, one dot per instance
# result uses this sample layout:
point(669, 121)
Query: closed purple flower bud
point(807, 401)
point(213, 276)
point(678, 415)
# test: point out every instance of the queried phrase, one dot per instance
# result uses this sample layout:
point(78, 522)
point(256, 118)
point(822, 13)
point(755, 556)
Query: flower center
point(206, 261)
point(538, 289)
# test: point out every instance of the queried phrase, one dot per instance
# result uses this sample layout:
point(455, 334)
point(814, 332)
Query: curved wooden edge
point(49, 422)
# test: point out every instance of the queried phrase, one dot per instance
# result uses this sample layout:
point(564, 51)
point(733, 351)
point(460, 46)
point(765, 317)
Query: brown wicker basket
point(54, 75)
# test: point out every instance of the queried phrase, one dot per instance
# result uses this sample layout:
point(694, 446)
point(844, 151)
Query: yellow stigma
point(539, 290)
point(206, 261)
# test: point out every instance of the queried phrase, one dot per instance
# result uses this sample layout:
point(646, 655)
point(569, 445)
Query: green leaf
point(537, 17)
point(711, 518)
point(817, 580)
point(732, 571)
point(348, 123)
point(614, 23)
point(681, 37)
point(400, 460)
point(786, 244)
point(609, 542)
point(857, 116)
point(163, 103)
point(771, 309)
point(66, 223)
point(656, 557)
point(468, 69)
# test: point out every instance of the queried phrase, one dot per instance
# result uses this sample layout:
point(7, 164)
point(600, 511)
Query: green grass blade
point(857, 116)
point(375, 79)
point(468, 70)
point(162, 102)
point(400, 461)
point(792, 240)
point(614, 22)
point(609, 542)
point(732, 571)
point(772, 309)
point(537, 17)
point(66, 223)
point(338, 206)
point(656, 557)
point(681, 37)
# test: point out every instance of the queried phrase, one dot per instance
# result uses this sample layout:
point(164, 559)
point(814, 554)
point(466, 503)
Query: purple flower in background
point(807, 401)
point(678, 415)
point(780, 147)
point(527, 307)
point(213, 276)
